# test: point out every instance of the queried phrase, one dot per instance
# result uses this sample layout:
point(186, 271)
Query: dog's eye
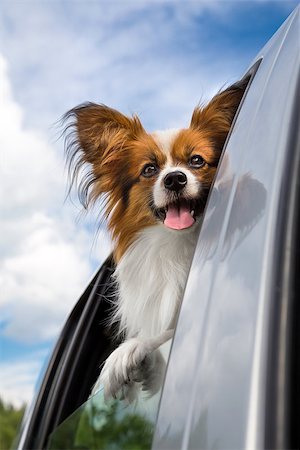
point(197, 161)
point(149, 170)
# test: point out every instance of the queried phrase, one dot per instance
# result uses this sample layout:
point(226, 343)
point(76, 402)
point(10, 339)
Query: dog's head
point(148, 178)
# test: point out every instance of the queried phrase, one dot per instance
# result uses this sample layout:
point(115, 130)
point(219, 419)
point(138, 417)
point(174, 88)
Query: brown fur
point(116, 148)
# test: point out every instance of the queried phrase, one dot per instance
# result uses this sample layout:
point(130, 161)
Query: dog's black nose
point(175, 181)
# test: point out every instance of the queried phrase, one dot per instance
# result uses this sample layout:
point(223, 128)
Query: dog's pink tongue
point(178, 219)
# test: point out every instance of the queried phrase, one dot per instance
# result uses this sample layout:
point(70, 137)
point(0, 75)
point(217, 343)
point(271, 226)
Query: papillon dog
point(155, 186)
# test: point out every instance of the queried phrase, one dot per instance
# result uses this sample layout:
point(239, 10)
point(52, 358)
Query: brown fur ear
point(95, 126)
point(220, 111)
point(96, 134)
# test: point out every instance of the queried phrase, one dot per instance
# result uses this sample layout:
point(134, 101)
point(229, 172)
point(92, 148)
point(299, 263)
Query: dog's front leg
point(132, 357)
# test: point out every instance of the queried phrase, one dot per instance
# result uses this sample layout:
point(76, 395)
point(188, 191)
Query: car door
point(232, 380)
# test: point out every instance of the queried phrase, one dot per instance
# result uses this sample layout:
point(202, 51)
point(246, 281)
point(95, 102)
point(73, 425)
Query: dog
point(154, 188)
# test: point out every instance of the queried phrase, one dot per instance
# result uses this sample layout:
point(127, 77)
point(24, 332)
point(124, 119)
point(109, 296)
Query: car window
point(112, 424)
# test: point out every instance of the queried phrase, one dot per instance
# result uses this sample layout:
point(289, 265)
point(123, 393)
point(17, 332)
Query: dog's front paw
point(118, 370)
point(150, 373)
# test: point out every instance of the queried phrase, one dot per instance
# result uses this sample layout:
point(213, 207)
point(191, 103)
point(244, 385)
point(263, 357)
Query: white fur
point(161, 194)
point(151, 276)
point(165, 139)
point(135, 361)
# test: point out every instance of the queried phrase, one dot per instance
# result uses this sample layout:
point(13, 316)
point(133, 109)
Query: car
point(232, 377)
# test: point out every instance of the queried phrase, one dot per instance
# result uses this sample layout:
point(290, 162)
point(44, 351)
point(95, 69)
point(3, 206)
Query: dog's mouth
point(180, 214)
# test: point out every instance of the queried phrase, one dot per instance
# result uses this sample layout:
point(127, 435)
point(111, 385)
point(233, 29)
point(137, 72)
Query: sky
point(158, 59)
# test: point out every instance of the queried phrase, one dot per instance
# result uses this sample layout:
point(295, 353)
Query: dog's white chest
point(151, 276)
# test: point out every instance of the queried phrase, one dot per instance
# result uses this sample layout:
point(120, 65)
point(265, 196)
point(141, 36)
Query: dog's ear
point(96, 137)
point(97, 129)
point(218, 115)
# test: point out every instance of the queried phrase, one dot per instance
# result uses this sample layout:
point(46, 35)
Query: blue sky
point(158, 59)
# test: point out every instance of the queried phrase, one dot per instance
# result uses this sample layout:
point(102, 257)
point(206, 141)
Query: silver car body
point(223, 370)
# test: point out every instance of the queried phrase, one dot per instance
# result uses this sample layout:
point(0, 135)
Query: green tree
point(98, 427)
point(10, 420)
point(128, 432)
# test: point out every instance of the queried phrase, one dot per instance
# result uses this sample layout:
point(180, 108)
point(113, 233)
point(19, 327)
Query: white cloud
point(17, 379)
point(32, 171)
point(45, 256)
point(137, 57)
